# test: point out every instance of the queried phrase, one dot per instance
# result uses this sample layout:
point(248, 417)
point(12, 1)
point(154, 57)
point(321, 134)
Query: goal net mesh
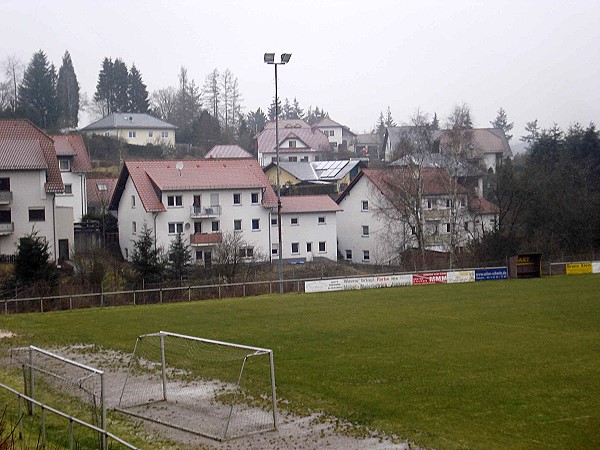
point(214, 389)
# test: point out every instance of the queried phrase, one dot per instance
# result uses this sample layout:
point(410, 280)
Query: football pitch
point(488, 365)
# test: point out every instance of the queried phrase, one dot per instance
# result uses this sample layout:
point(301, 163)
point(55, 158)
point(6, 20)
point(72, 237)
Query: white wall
point(307, 230)
point(78, 199)
point(264, 159)
point(127, 214)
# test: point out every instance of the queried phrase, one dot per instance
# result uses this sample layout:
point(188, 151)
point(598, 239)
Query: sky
point(536, 59)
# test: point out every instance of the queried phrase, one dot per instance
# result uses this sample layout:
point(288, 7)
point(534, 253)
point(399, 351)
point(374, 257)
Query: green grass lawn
point(493, 365)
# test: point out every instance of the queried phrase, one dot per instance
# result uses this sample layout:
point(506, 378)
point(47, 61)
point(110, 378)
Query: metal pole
point(164, 366)
point(279, 243)
point(273, 390)
point(31, 382)
point(103, 406)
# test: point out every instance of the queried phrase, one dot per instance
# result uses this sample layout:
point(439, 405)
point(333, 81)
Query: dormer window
point(64, 165)
point(292, 144)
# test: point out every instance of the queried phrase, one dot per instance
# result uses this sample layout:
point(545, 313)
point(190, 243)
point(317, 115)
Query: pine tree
point(178, 258)
point(297, 112)
point(256, 121)
point(37, 92)
point(32, 261)
point(105, 94)
point(501, 121)
point(67, 92)
point(137, 92)
point(533, 134)
point(389, 120)
point(121, 84)
point(146, 258)
point(435, 122)
point(271, 112)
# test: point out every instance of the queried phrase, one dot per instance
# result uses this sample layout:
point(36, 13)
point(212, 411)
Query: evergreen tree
point(287, 112)
point(178, 258)
point(37, 92)
point(32, 261)
point(297, 112)
point(256, 121)
point(105, 94)
point(206, 130)
point(501, 121)
point(121, 85)
point(271, 111)
point(137, 92)
point(187, 108)
point(389, 120)
point(146, 258)
point(380, 127)
point(533, 134)
point(435, 123)
point(67, 92)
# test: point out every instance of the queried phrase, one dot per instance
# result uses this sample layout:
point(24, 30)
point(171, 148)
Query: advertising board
point(462, 276)
point(496, 273)
point(429, 278)
point(578, 268)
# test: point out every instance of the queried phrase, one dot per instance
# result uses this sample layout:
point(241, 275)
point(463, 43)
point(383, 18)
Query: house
point(382, 213)
point(297, 142)
point(228, 151)
point(74, 163)
point(487, 145)
point(366, 145)
point(339, 136)
point(314, 174)
point(134, 128)
point(30, 181)
point(308, 228)
point(99, 192)
point(203, 199)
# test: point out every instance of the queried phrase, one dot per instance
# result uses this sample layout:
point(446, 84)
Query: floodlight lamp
point(285, 58)
point(269, 58)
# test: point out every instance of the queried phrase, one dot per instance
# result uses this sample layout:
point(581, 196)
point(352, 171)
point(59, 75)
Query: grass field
point(494, 365)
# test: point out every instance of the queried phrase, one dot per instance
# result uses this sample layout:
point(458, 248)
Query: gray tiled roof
point(228, 151)
point(129, 120)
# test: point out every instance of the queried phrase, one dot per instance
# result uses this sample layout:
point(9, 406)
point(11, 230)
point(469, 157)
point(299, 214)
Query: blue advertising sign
point(496, 273)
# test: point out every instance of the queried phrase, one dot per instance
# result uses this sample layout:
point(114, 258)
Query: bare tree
point(163, 103)
point(211, 93)
point(231, 253)
point(13, 69)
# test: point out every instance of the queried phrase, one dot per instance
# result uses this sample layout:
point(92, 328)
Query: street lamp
point(270, 59)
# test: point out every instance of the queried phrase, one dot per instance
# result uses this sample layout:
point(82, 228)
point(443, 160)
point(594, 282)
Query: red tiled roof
point(73, 145)
point(483, 206)
point(206, 238)
point(23, 146)
point(151, 177)
point(483, 140)
point(95, 196)
point(308, 203)
point(314, 140)
point(287, 123)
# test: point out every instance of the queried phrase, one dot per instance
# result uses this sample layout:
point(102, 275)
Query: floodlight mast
point(269, 58)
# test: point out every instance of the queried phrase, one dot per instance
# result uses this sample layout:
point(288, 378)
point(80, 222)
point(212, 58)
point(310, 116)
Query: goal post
point(47, 375)
point(214, 389)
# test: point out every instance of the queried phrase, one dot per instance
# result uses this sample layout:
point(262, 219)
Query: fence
point(108, 437)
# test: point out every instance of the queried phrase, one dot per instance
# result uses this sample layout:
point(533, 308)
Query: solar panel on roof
point(320, 164)
point(329, 164)
point(335, 172)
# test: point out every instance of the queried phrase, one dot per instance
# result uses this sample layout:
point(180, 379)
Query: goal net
point(214, 389)
point(74, 388)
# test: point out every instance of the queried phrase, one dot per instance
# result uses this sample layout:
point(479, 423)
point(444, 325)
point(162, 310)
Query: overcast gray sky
point(537, 59)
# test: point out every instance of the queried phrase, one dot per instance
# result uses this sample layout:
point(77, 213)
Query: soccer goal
point(48, 377)
point(210, 388)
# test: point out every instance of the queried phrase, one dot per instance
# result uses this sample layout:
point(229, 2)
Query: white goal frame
point(165, 394)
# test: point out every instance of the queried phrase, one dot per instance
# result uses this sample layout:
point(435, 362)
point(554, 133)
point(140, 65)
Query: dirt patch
point(316, 431)
point(6, 334)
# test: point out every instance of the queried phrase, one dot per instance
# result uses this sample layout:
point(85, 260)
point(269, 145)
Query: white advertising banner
point(463, 276)
point(346, 284)
point(596, 267)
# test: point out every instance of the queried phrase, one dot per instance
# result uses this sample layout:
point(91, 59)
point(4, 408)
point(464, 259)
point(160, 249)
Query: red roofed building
point(384, 209)
point(297, 142)
point(203, 199)
point(30, 181)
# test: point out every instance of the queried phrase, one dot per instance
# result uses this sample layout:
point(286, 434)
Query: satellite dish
point(179, 166)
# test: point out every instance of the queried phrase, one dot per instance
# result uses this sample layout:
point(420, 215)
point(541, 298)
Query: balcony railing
point(7, 228)
point(6, 197)
point(205, 211)
point(205, 239)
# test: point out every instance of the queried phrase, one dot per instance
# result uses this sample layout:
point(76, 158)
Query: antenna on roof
point(179, 166)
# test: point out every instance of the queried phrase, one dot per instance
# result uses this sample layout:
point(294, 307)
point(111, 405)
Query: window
point(164, 134)
point(255, 224)
point(132, 134)
point(308, 247)
point(364, 205)
point(321, 220)
point(274, 249)
point(237, 199)
point(292, 158)
point(365, 230)
point(237, 225)
point(126, 253)
point(5, 216)
point(199, 255)
point(214, 225)
point(247, 252)
point(37, 214)
point(254, 197)
point(133, 228)
point(107, 133)
point(447, 228)
point(322, 246)
point(273, 221)
point(428, 203)
point(466, 226)
point(68, 189)
point(448, 203)
point(133, 201)
point(348, 254)
point(197, 227)
point(102, 187)
point(273, 159)
point(295, 248)
point(175, 227)
point(174, 200)
point(366, 255)
point(150, 134)
point(294, 221)
point(331, 132)
point(304, 159)
point(292, 144)
point(64, 165)
point(4, 184)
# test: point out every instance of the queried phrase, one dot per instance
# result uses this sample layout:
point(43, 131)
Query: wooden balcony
point(205, 239)
point(198, 212)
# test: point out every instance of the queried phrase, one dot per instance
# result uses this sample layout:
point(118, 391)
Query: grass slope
point(506, 364)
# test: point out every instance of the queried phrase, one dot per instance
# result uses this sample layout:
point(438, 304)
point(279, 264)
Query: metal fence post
point(134, 297)
point(161, 295)
point(41, 304)
point(20, 417)
point(70, 302)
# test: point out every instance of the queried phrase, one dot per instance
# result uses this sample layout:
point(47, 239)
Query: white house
point(339, 136)
point(378, 219)
point(308, 228)
point(74, 163)
point(298, 141)
point(134, 128)
point(203, 199)
point(30, 180)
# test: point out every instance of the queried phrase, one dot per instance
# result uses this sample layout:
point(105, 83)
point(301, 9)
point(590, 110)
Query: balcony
point(7, 228)
point(6, 197)
point(198, 212)
point(205, 239)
